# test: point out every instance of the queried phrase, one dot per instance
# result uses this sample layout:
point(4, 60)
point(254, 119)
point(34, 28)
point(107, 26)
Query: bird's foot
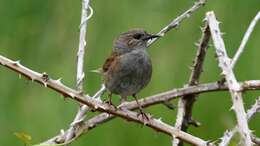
point(145, 117)
point(111, 103)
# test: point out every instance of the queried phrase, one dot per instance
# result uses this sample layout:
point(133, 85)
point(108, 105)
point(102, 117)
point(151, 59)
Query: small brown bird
point(128, 69)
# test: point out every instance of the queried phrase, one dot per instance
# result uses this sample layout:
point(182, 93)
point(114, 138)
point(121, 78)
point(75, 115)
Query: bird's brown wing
point(110, 61)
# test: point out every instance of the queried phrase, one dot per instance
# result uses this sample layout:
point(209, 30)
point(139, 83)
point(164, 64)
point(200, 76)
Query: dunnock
point(128, 69)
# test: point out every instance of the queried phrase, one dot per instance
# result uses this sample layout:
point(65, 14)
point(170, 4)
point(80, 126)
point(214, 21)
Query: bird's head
point(132, 40)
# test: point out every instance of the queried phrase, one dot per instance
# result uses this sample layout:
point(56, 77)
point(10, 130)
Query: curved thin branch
point(245, 39)
point(176, 22)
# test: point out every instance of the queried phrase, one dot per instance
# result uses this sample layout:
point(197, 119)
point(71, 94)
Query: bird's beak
point(150, 36)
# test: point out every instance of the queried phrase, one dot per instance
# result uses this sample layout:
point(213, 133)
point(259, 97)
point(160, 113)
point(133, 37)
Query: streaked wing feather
point(109, 61)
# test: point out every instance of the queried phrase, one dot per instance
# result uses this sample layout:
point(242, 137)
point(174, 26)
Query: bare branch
point(80, 70)
point(185, 104)
point(45, 80)
point(57, 86)
point(228, 135)
point(234, 87)
point(179, 19)
point(245, 39)
point(256, 140)
point(156, 99)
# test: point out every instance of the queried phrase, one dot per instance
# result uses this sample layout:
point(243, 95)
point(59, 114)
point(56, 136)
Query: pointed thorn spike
point(72, 95)
point(58, 81)
point(45, 84)
point(17, 63)
point(232, 108)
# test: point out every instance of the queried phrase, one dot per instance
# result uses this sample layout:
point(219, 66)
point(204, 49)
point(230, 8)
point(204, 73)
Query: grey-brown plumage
point(129, 68)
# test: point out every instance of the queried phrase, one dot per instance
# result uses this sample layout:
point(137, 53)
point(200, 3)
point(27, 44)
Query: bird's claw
point(144, 116)
point(110, 103)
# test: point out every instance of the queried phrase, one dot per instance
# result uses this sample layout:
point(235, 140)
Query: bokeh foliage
point(44, 36)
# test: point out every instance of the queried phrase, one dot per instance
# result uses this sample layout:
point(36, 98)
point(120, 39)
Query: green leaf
point(25, 138)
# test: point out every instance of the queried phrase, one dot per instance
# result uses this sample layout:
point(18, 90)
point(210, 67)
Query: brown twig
point(86, 126)
point(83, 109)
point(56, 85)
point(185, 104)
point(234, 87)
point(176, 22)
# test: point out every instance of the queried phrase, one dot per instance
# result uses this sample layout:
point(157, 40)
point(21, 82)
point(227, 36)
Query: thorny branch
point(86, 126)
point(245, 39)
point(185, 104)
point(234, 87)
point(80, 115)
point(56, 85)
point(101, 118)
point(80, 70)
point(176, 22)
point(189, 92)
point(250, 113)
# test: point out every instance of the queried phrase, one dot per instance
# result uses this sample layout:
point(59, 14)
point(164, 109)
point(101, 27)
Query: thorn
point(204, 20)
point(45, 84)
point(62, 132)
point(201, 28)
point(222, 33)
point(58, 81)
point(251, 131)
point(32, 79)
point(72, 95)
point(223, 73)
point(194, 122)
point(211, 142)
point(232, 108)
point(197, 44)
point(161, 35)
point(20, 76)
point(77, 121)
point(159, 119)
point(17, 63)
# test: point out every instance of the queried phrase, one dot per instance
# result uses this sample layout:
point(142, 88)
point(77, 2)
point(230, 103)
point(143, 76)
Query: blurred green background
point(44, 36)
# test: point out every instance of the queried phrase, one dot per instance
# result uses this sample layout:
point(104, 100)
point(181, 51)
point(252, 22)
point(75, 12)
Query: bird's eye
point(137, 36)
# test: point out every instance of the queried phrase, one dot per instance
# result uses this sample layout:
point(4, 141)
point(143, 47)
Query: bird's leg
point(140, 109)
point(110, 100)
